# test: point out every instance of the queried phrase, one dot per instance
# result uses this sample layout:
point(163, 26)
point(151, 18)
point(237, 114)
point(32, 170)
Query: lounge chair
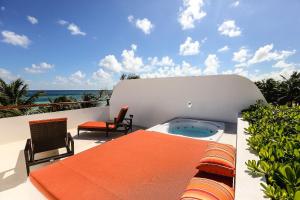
point(47, 135)
point(120, 124)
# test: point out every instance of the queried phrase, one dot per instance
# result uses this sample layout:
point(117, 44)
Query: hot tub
point(193, 128)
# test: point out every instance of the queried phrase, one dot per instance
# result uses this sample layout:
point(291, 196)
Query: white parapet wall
point(153, 101)
point(246, 186)
point(13, 129)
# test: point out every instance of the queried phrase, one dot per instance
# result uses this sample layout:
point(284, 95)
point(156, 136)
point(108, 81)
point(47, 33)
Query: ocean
point(52, 94)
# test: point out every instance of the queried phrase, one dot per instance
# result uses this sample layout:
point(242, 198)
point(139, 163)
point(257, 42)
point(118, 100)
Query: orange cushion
point(217, 161)
point(96, 125)
point(139, 166)
point(122, 114)
point(206, 189)
point(224, 147)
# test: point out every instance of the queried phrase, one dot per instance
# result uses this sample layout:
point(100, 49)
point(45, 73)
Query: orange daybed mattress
point(139, 166)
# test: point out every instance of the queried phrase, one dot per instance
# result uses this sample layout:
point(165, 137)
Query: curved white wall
point(153, 101)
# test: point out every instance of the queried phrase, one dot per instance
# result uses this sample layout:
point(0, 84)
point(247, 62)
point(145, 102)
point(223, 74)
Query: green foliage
point(285, 92)
point(15, 93)
point(129, 76)
point(275, 138)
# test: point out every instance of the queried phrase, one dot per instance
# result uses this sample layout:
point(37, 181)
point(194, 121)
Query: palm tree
point(270, 89)
point(16, 93)
point(290, 90)
point(282, 92)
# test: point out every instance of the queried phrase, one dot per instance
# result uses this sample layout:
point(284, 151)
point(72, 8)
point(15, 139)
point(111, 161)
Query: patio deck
point(13, 178)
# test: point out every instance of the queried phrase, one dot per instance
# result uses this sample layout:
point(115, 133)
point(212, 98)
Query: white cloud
point(265, 53)
point(73, 28)
point(189, 47)
point(130, 18)
point(60, 80)
point(101, 74)
point(165, 61)
point(76, 80)
point(131, 62)
point(184, 69)
point(229, 28)
point(10, 37)
point(238, 71)
point(143, 24)
point(7, 75)
point(223, 49)
point(133, 47)
point(77, 77)
point(39, 68)
point(211, 65)
point(154, 67)
point(262, 54)
point(286, 72)
point(283, 64)
point(62, 22)
point(235, 4)
point(32, 20)
point(191, 12)
point(241, 56)
point(111, 63)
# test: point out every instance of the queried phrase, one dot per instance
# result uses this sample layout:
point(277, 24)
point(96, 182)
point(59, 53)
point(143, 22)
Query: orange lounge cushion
point(96, 125)
point(142, 165)
point(122, 114)
point(206, 189)
point(217, 161)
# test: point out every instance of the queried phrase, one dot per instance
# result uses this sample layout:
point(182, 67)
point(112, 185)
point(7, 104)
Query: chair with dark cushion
point(47, 135)
point(120, 124)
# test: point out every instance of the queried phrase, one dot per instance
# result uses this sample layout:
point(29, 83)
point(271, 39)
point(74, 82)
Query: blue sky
point(88, 44)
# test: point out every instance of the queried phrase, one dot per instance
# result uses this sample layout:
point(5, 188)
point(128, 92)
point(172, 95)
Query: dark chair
point(120, 124)
point(47, 135)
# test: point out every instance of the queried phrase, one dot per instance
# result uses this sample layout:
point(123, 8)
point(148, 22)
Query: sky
point(65, 44)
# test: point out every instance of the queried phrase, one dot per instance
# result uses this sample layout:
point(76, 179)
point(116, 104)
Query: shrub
point(275, 137)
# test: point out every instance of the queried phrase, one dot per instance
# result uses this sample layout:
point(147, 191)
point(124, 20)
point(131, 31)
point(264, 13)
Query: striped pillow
point(206, 189)
point(219, 160)
point(225, 147)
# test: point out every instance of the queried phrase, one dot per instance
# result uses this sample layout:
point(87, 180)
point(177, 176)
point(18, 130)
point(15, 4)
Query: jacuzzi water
point(194, 128)
point(192, 131)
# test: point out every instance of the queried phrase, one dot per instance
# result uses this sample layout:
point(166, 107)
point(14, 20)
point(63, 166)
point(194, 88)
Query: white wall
point(153, 101)
point(16, 128)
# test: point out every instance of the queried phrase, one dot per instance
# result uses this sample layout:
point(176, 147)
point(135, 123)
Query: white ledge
point(246, 186)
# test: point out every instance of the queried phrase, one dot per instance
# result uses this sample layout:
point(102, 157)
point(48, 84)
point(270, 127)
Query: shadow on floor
point(15, 176)
point(230, 128)
point(100, 136)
